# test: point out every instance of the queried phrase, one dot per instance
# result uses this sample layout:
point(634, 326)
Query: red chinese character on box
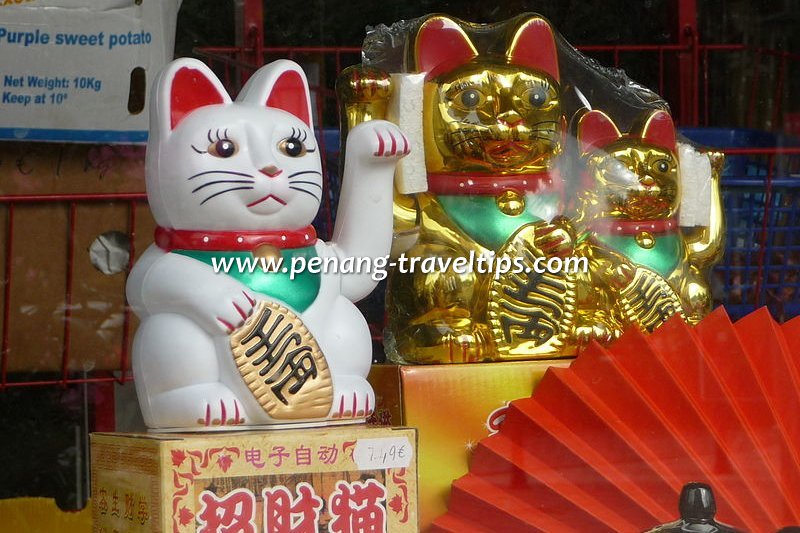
point(302, 456)
point(232, 513)
point(357, 507)
point(285, 514)
point(278, 453)
point(102, 503)
point(143, 515)
point(253, 456)
point(129, 504)
point(328, 454)
point(114, 503)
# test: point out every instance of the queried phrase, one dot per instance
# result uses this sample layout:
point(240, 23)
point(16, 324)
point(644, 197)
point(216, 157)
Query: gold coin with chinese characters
point(511, 203)
point(282, 364)
point(531, 314)
point(645, 240)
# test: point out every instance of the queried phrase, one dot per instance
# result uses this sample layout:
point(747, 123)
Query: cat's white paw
point(224, 412)
point(379, 139)
point(205, 405)
point(353, 398)
point(232, 310)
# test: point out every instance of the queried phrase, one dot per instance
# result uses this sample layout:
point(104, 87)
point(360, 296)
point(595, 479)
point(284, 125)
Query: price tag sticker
point(387, 452)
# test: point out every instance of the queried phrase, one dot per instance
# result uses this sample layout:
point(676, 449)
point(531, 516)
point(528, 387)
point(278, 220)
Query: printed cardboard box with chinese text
point(346, 479)
point(452, 407)
point(80, 70)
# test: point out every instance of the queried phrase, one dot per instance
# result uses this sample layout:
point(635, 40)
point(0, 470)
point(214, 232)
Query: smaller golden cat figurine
point(643, 267)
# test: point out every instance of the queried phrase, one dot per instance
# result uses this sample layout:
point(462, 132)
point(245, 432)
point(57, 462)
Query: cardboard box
point(350, 478)
point(81, 70)
point(40, 252)
point(452, 407)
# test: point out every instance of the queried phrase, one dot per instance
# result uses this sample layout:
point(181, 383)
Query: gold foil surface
point(649, 300)
point(531, 313)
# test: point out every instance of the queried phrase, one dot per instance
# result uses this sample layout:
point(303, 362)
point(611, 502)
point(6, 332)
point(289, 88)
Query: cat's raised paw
point(378, 140)
point(390, 142)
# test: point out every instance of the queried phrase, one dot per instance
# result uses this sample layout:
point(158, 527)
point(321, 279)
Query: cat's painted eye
point(293, 147)
point(662, 165)
point(537, 96)
point(470, 98)
point(222, 148)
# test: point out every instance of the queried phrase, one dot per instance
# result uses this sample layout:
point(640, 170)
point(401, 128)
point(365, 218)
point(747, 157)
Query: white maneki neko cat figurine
point(238, 180)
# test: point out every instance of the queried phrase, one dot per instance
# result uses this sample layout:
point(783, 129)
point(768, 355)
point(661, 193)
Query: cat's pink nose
point(271, 171)
point(509, 118)
point(509, 123)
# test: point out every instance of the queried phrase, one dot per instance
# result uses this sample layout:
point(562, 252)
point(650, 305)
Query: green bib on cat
point(299, 293)
point(481, 219)
point(663, 257)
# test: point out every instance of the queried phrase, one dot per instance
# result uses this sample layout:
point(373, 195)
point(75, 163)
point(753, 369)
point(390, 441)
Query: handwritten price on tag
point(388, 452)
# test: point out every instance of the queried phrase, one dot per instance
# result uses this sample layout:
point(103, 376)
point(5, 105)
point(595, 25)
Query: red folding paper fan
point(608, 443)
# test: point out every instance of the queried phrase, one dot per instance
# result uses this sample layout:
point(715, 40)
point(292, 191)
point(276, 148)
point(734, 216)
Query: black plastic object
point(697, 508)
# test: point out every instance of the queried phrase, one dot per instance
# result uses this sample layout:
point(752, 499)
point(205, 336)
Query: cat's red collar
point(477, 184)
point(235, 241)
point(611, 226)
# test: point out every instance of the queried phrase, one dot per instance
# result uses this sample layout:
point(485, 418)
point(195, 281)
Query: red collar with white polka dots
point(478, 184)
point(169, 239)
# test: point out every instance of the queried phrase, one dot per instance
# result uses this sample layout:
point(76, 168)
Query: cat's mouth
point(510, 152)
point(265, 198)
point(649, 204)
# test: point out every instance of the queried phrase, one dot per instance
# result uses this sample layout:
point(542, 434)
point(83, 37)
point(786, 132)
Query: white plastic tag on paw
point(695, 170)
point(405, 110)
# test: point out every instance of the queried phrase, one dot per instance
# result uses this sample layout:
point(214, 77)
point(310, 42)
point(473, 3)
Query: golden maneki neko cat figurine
point(488, 105)
point(644, 267)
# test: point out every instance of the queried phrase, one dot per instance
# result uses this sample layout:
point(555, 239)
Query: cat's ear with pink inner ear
point(282, 85)
point(184, 86)
point(596, 130)
point(533, 45)
point(659, 130)
point(441, 45)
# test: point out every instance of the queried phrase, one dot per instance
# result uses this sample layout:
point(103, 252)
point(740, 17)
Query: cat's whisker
point(225, 191)
point(554, 122)
point(466, 141)
point(231, 172)
point(220, 181)
point(476, 130)
point(309, 183)
point(317, 198)
point(300, 173)
point(459, 136)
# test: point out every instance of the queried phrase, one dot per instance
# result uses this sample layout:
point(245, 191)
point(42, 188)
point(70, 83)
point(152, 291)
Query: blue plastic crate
point(737, 165)
point(762, 243)
point(765, 232)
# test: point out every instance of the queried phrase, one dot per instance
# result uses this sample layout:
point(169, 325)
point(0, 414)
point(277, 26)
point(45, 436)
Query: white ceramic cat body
point(226, 170)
